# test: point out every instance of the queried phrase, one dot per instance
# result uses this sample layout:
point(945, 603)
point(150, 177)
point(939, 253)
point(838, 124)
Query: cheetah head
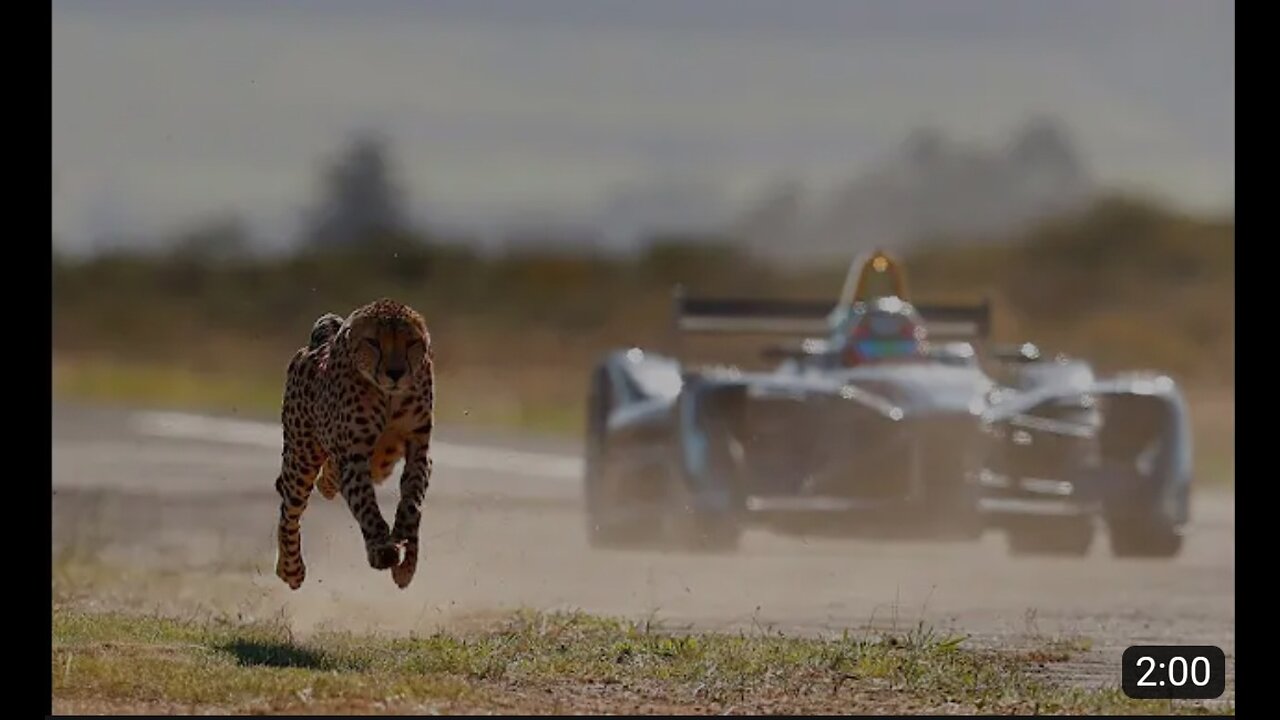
point(389, 351)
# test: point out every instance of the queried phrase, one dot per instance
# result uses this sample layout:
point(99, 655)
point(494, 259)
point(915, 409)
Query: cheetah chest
point(390, 446)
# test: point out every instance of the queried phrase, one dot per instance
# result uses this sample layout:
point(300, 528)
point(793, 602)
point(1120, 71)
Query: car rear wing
point(812, 318)
point(947, 323)
point(745, 317)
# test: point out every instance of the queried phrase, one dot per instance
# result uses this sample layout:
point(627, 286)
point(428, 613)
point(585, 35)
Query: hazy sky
point(167, 110)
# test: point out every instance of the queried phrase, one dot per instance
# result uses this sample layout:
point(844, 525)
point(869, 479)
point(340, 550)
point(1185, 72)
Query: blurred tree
point(361, 201)
point(706, 262)
point(772, 219)
point(214, 239)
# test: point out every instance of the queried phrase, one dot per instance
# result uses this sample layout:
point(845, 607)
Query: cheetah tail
point(323, 329)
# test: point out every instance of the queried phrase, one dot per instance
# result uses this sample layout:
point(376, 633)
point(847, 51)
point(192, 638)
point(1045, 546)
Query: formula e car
point(881, 421)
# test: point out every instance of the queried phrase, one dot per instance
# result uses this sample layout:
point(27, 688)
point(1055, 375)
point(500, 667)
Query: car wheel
point(611, 521)
point(1150, 539)
point(690, 529)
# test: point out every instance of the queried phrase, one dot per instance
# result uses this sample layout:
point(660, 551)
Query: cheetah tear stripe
point(267, 435)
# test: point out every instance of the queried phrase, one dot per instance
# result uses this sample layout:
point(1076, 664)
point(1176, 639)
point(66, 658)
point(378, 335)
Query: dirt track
point(505, 530)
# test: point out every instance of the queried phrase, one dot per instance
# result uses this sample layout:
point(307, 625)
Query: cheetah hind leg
point(327, 483)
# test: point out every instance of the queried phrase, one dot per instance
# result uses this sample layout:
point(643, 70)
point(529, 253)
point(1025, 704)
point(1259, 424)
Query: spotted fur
point(359, 398)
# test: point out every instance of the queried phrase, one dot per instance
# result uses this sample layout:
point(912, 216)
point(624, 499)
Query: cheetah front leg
point(297, 477)
point(357, 489)
point(413, 488)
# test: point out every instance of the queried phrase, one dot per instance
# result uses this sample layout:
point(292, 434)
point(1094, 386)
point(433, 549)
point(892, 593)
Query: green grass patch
point(542, 663)
point(472, 400)
point(167, 387)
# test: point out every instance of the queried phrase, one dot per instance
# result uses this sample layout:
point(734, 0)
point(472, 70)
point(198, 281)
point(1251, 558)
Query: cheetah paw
point(292, 578)
point(382, 557)
point(403, 572)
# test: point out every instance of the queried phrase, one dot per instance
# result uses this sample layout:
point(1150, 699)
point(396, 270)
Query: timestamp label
point(1175, 672)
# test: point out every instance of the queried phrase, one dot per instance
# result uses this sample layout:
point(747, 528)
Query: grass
point(539, 663)
point(471, 398)
point(166, 387)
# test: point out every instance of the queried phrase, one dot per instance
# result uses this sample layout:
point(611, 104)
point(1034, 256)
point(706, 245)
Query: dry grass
point(533, 663)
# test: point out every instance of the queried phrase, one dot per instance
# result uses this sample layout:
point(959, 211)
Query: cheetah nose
point(395, 374)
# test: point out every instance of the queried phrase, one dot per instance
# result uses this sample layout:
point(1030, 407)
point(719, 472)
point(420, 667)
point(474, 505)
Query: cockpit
point(887, 331)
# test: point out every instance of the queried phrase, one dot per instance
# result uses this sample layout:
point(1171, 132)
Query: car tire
point(1150, 539)
point(703, 532)
point(609, 524)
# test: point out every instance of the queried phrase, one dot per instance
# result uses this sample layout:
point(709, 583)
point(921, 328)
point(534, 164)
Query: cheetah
point(358, 398)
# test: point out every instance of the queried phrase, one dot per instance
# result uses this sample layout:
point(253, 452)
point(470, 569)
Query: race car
point(881, 421)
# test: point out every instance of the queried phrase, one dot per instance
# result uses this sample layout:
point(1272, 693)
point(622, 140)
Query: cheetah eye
point(373, 343)
point(413, 344)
